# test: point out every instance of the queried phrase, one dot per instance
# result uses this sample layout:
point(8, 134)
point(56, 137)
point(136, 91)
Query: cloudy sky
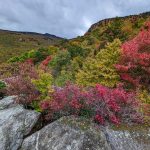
point(65, 18)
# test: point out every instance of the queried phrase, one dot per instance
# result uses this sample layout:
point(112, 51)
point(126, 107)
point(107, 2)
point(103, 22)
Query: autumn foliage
point(134, 65)
point(105, 84)
point(100, 103)
point(101, 68)
point(22, 86)
point(30, 84)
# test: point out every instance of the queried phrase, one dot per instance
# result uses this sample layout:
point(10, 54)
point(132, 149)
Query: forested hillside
point(103, 75)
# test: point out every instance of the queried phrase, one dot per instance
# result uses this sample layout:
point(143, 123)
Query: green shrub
point(43, 84)
point(63, 78)
point(2, 85)
point(2, 89)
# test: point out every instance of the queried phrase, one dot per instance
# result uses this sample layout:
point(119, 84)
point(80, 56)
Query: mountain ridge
point(105, 21)
point(32, 33)
point(15, 43)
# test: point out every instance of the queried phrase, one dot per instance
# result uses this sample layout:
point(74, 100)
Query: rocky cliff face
point(67, 133)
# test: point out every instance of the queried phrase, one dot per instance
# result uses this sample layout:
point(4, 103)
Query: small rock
point(7, 102)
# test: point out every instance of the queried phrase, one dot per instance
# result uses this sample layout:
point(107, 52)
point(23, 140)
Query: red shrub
point(134, 66)
point(45, 63)
point(115, 105)
point(30, 61)
point(103, 104)
point(99, 119)
point(68, 100)
point(24, 90)
point(21, 85)
point(47, 60)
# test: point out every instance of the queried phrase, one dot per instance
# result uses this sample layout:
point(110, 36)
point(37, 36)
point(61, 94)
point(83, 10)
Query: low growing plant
point(2, 89)
point(100, 103)
point(134, 64)
point(31, 85)
point(22, 86)
point(2, 85)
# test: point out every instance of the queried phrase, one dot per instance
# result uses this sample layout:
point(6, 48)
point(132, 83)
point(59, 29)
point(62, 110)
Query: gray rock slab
point(129, 139)
point(15, 123)
point(7, 102)
point(67, 133)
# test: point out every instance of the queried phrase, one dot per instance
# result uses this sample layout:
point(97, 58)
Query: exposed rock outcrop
point(67, 133)
point(131, 138)
point(15, 123)
point(7, 102)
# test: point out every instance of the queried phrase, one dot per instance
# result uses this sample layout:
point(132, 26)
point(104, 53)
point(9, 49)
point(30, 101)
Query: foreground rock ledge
point(70, 133)
point(15, 123)
point(67, 133)
point(129, 138)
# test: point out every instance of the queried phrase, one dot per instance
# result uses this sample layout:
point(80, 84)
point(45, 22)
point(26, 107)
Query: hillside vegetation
point(15, 43)
point(103, 75)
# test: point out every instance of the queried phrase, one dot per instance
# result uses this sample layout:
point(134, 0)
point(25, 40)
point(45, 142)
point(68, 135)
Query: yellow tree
point(101, 68)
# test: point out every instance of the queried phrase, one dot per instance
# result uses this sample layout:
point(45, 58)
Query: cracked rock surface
point(67, 133)
point(15, 123)
point(129, 138)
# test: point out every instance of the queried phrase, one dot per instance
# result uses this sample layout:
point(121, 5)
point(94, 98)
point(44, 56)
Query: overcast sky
point(65, 18)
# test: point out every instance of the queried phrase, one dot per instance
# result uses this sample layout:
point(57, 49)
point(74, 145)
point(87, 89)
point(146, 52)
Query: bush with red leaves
point(47, 60)
point(102, 104)
point(114, 105)
point(22, 86)
point(45, 63)
point(69, 100)
point(134, 65)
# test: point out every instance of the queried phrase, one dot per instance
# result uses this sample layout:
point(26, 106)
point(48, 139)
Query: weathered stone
point(7, 102)
point(67, 133)
point(129, 139)
point(15, 123)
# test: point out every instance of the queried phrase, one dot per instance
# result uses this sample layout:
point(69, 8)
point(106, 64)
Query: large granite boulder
point(15, 123)
point(67, 133)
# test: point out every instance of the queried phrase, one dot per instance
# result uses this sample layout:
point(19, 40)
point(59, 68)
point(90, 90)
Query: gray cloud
point(65, 18)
